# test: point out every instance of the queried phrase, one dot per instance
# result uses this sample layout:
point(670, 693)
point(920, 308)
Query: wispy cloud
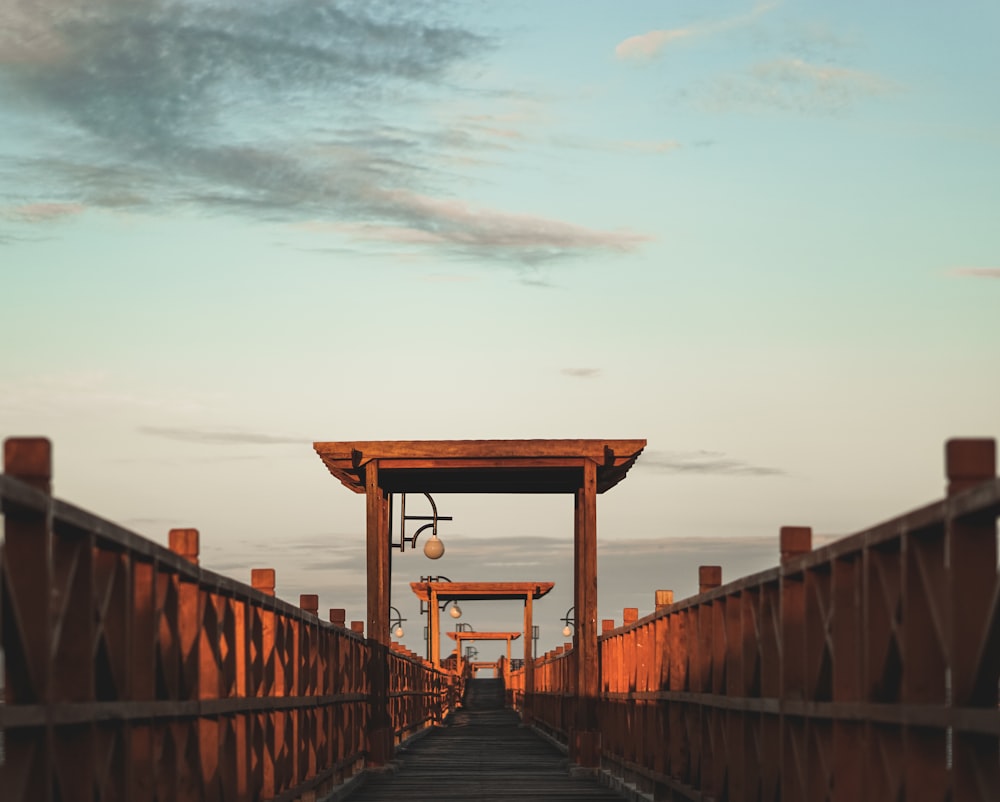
point(282, 110)
point(975, 272)
point(218, 437)
point(792, 84)
point(645, 46)
point(83, 392)
point(469, 228)
point(581, 373)
point(661, 146)
point(43, 212)
point(648, 45)
point(703, 462)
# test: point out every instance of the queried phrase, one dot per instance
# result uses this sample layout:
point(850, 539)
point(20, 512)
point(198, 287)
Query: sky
point(762, 236)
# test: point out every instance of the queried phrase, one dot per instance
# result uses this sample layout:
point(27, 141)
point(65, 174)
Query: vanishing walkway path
point(483, 753)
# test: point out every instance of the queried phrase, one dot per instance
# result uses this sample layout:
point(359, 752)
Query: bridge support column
point(380, 732)
point(585, 737)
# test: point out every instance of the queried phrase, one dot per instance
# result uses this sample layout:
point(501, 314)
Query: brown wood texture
point(481, 591)
point(464, 636)
point(480, 466)
point(133, 674)
point(864, 670)
point(584, 747)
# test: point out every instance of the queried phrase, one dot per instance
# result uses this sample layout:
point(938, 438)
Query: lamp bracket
point(403, 518)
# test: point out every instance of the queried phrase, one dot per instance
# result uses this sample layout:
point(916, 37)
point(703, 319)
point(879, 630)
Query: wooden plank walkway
point(482, 753)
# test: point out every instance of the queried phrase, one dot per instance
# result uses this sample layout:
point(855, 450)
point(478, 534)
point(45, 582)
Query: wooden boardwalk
point(483, 753)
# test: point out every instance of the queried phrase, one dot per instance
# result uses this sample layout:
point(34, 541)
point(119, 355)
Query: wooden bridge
point(867, 669)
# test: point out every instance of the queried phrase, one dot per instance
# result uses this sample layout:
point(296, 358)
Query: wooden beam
point(481, 591)
point(361, 451)
point(480, 466)
point(483, 635)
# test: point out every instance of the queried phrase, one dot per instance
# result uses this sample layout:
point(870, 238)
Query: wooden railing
point(867, 669)
point(133, 674)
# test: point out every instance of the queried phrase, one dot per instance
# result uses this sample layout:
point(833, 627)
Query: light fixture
point(455, 611)
point(396, 622)
point(570, 622)
point(433, 548)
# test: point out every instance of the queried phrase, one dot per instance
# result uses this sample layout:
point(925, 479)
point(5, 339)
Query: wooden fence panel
point(130, 673)
point(864, 670)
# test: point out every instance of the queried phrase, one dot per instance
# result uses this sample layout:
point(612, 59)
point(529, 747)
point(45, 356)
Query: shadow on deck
point(482, 753)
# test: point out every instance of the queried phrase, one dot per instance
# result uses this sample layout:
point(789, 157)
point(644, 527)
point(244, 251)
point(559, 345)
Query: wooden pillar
point(378, 556)
point(30, 670)
point(529, 660)
point(585, 742)
point(380, 734)
point(971, 544)
point(434, 629)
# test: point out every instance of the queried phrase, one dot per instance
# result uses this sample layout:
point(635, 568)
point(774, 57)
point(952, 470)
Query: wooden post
point(29, 546)
point(971, 545)
point(709, 577)
point(585, 741)
point(795, 540)
point(185, 542)
point(262, 579)
point(378, 556)
point(529, 661)
point(309, 602)
point(664, 598)
point(380, 735)
point(434, 633)
point(338, 617)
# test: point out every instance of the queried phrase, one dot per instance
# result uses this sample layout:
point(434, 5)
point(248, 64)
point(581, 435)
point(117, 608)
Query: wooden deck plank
point(486, 755)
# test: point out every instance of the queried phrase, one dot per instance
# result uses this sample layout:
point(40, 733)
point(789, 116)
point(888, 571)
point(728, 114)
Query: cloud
point(662, 146)
point(447, 278)
point(581, 373)
point(83, 392)
point(282, 111)
point(646, 46)
point(791, 84)
point(44, 212)
point(703, 462)
point(475, 229)
point(220, 436)
point(975, 272)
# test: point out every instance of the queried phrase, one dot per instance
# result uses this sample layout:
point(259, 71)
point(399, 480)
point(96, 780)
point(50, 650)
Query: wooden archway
point(583, 468)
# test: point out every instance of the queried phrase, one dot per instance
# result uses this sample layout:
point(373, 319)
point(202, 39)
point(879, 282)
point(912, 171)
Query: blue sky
point(763, 237)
